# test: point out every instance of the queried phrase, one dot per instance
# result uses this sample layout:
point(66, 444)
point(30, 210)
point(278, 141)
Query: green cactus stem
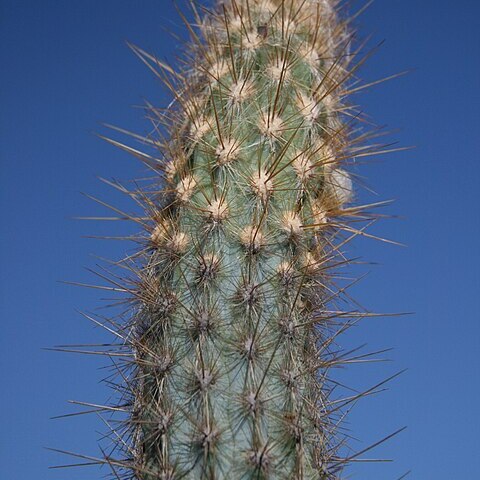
point(235, 316)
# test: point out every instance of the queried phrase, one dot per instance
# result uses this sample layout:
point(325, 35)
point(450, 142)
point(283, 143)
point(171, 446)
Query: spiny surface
point(232, 331)
point(228, 351)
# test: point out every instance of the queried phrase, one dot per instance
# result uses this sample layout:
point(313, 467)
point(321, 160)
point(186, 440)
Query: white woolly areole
point(310, 55)
point(309, 108)
point(160, 232)
point(178, 242)
point(227, 152)
point(319, 216)
point(235, 23)
point(185, 188)
point(303, 167)
point(217, 210)
point(292, 223)
point(261, 10)
point(251, 40)
point(199, 128)
point(327, 99)
point(341, 185)
point(285, 268)
point(267, 6)
point(326, 156)
point(261, 184)
point(310, 263)
point(241, 90)
point(251, 237)
point(170, 170)
point(163, 235)
point(270, 127)
point(277, 71)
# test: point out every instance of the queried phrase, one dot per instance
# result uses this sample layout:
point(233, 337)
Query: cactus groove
point(235, 309)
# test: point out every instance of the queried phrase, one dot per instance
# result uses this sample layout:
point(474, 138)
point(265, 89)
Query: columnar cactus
point(235, 320)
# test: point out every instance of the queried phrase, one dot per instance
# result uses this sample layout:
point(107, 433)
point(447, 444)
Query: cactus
point(234, 312)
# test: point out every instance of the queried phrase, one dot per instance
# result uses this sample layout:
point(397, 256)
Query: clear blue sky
point(65, 69)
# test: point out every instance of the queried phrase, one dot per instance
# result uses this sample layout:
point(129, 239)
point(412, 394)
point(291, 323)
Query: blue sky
point(66, 69)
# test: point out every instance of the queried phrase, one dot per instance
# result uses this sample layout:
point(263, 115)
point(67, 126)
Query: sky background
point(66, 68)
